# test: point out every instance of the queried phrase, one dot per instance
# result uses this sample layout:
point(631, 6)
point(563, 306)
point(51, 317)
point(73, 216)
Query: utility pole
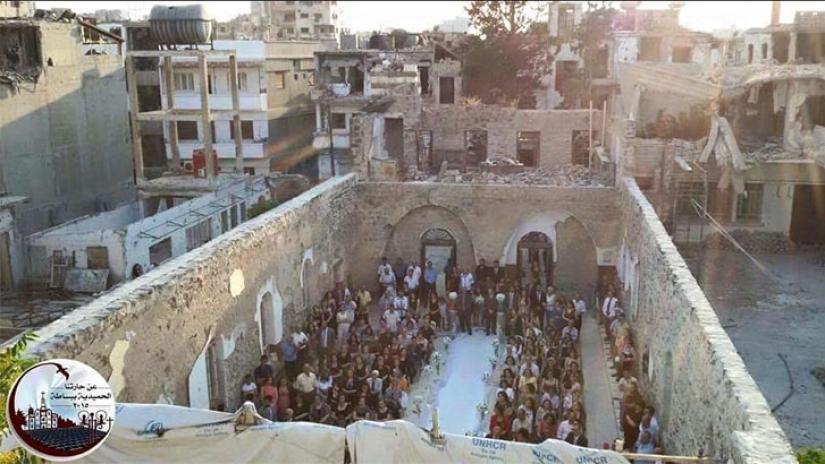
point(331, 142)
point(704, 216)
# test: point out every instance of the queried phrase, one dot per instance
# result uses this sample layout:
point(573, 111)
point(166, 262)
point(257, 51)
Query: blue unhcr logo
point(152, 427)
point(545, 457)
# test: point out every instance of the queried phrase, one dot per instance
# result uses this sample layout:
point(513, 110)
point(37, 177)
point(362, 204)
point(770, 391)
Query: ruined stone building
point(415, 170)
point(742, 134)
point(16, 9)
point(64, 132)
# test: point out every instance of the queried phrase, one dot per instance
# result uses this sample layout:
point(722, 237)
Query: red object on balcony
point(199, 162)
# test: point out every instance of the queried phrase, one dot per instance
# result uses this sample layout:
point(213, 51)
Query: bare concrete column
point(792, 48)
point(206, 117)
point(236, 117)
point(171, 125)
point(137, 140)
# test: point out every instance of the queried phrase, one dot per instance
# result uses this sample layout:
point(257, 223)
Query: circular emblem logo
point(61, 410)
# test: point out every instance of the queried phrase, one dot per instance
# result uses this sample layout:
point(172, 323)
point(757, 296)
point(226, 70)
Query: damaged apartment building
point(64, 131)
point(741, 134)
point(77, 214)
point(400, 114)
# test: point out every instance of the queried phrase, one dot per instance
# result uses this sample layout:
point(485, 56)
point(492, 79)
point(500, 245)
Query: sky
point(416, 16)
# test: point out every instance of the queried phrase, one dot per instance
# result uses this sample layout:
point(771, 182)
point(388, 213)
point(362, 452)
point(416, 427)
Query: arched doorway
point(534, 259)
point(270, 317)
point(438, 246)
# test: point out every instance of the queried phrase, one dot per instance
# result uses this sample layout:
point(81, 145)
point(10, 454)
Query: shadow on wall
point(64, 143)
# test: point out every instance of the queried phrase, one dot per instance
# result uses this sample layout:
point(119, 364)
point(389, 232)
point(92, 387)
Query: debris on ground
point(753, 242)
point(510, 174)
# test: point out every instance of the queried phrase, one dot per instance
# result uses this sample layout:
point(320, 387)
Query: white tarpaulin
point(163, 433)
point(400, 442)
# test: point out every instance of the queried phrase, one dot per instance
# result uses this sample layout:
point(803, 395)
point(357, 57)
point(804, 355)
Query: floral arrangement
point(493, 362)
point(453, 296)
point(447, 341)
point(496, 345)
point(501, 297)
point(485, 377)
point(482, 409)
point(428, 370)
point(437, 359)
point(479, 299)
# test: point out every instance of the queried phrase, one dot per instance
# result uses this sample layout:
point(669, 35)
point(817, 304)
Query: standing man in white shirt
point(466, 280)
point(581, 310)
point(392, 317)
point(410, 280)
point(382, 273)
point(417, 273)
point(609, 307)
point(402, 303)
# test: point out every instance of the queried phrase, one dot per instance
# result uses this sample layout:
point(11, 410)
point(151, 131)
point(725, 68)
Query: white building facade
point(252, 85)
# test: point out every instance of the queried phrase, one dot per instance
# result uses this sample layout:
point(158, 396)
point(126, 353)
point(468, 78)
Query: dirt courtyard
point(765, 317)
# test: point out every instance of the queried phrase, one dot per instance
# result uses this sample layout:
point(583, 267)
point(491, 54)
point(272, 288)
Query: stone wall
point(147, 335)
point(486, 221)
point(704, 395)
point(449, 123)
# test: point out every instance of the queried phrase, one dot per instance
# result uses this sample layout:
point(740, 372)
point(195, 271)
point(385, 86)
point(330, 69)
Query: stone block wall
point(449, 123)
point(486, 221)
point(146, 335)
point(704, 395)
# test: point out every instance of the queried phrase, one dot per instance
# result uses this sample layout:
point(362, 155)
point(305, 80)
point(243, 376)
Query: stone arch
point(405, 238)
point(574, 250)
point(307, 276)
point(269, 314)
point(288, 186)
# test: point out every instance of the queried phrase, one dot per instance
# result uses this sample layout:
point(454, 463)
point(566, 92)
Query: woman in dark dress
point(382, 412)
point(342, 412)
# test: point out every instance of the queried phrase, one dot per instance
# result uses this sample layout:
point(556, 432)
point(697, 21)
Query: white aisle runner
point(461, 387)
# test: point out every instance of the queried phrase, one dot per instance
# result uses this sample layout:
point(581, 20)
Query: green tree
point(592, 35)
point(811, 456)
point(496, 19)
point(12, 366)
point(506, 62)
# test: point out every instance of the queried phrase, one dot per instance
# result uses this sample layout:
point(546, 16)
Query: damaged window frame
point(353, 76)
point(22, 56)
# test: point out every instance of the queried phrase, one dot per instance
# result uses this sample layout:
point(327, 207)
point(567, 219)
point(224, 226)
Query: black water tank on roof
point(181, 25)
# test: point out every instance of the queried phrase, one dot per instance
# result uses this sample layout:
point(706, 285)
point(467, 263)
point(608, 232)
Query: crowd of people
point(343, 368)
point(640, 427)
point(540, 384)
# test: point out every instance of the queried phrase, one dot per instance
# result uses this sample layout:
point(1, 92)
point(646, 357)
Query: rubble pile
point(753, 242)
point(557, 176)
